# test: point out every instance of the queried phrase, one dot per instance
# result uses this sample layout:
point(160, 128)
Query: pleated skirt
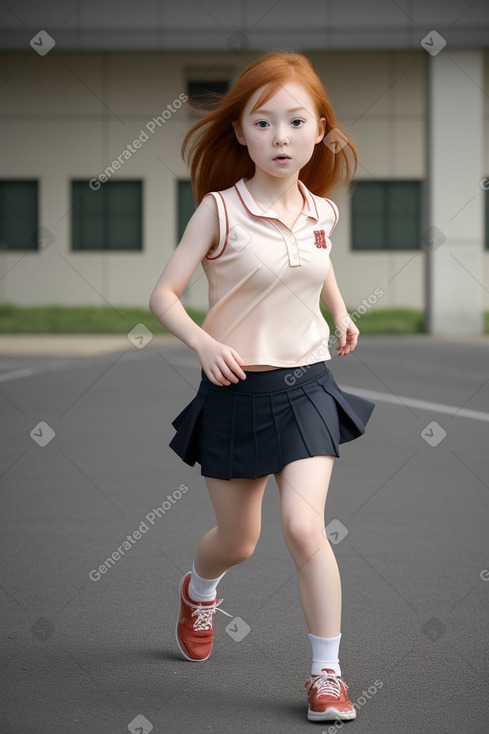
point(255, 427)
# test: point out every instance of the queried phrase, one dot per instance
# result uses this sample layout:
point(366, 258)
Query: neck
point(269, 190)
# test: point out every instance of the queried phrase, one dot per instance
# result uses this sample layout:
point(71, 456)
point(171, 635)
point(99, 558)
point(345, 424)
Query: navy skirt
point(255, 427)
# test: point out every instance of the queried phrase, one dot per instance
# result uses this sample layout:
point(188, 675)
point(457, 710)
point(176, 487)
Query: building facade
point(94, 194)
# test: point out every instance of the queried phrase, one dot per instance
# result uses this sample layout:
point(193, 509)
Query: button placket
point(291, 245)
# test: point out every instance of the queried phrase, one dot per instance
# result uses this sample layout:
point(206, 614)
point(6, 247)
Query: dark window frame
point(103, 190)
point(388, 196)
point(486, 213)
point(183, 197)
point(33, 246)
point(203, 95)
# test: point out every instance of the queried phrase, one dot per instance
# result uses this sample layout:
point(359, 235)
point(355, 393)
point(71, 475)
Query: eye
point(297, 122)
point(262, 123)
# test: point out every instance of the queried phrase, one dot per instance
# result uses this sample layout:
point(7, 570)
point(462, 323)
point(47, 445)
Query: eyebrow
point(269, 112)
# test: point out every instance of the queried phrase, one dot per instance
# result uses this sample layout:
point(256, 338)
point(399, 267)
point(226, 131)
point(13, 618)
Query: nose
point(281, 139)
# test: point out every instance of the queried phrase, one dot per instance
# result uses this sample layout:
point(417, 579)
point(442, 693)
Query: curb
point(71, 345)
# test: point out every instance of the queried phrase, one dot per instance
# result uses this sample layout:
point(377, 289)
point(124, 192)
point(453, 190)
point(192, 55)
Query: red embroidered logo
point(320, 236)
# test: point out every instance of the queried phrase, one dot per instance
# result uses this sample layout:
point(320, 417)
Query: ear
point(321, 129)
point(239, 134)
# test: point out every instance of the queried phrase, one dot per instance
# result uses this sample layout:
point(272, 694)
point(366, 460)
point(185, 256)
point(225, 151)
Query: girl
point(266, 404)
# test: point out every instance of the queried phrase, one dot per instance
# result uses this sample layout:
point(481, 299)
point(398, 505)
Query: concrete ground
point(88, 645)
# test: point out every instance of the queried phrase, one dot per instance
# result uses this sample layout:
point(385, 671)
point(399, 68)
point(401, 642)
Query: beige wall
point(70, 115)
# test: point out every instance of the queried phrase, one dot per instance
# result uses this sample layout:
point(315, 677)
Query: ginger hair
point(216, 158)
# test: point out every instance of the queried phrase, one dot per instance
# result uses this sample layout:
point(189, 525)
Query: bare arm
point(346, 330)
point(221, 364)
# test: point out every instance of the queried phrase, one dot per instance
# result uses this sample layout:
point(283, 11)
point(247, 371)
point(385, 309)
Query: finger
point(341, 336)
point(239, 362)
point(228, 369)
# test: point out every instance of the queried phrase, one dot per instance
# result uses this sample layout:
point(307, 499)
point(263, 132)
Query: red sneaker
point(195, 626)
point(327, 697)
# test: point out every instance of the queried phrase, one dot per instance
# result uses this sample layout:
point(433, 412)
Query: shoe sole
point(192, 660)
point(331, 714)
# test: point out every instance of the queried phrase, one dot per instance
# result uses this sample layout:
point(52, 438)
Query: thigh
point(237, 506)
point(303, 487)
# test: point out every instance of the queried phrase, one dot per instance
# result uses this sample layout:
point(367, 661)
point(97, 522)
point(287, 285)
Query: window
point(200, 92)
point(19, 214)
point(108, 218)
point(386, 215)
point(185, 206)
point(485, 183)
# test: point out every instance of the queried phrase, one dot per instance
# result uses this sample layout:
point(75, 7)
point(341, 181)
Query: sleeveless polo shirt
point(265, 279)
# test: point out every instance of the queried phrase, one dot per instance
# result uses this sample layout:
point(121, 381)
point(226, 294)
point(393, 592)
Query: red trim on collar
point(309, 207)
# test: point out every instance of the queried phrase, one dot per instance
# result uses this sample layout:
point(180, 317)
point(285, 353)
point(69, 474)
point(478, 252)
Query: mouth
point(282, 157)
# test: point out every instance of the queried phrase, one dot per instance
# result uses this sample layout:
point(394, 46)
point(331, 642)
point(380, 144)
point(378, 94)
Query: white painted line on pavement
point(386, 397)
point(15, 374)
point(382, 397)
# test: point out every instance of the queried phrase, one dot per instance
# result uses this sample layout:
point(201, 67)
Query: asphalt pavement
point(99, 521)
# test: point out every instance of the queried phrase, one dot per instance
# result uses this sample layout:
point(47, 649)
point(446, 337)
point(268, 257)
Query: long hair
point(217, 160)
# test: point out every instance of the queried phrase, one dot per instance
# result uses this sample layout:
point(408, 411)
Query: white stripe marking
point(15, 374)
point(385, 397)
point(382, 397)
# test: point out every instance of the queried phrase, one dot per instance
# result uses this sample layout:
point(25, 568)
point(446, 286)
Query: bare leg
point(303, 487)
point(237, 505)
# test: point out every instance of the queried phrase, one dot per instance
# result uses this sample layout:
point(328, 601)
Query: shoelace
point(204, 615)
point(326, 683)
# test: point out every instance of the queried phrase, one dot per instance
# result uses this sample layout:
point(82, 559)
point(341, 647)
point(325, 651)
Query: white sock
point(325, 653)
point(200, 589)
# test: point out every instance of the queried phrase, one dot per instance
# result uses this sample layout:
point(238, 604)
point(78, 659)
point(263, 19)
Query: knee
point(302, 536)
point(237, 552)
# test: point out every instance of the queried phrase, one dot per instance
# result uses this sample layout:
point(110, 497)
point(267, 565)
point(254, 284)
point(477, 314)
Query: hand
point(221, 364)
point(347, 334)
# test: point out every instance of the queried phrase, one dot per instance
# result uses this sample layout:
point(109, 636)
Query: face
point(281, 134)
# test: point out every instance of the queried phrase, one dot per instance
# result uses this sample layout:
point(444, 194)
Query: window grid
point(19, 214)
point(107, 219)
point(386, 216)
